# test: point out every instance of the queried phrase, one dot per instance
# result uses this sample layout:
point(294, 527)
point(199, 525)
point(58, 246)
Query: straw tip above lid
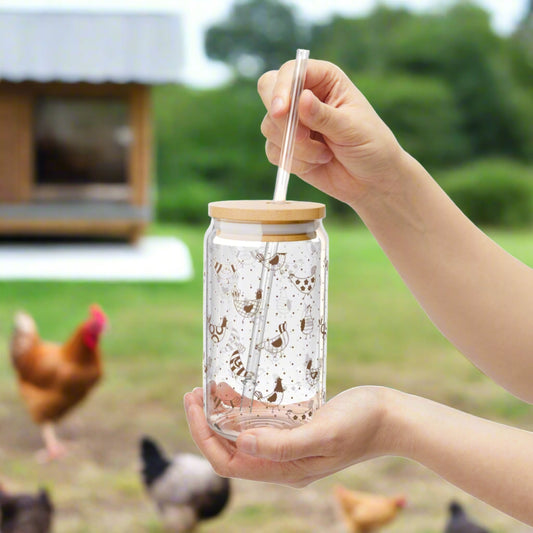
point(267, 211)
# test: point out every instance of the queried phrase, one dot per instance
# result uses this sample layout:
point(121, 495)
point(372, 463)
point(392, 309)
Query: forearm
point(488, 460)
point(478, 295)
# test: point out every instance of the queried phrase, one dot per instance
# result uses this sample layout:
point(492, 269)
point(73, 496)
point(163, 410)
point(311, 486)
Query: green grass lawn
point(153, 354)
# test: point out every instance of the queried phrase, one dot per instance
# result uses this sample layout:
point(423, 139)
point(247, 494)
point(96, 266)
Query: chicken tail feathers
point(154, 462)
point(23, 337)
point(44, 499)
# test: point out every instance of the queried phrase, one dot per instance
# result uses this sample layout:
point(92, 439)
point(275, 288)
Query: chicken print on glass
point(265, 300)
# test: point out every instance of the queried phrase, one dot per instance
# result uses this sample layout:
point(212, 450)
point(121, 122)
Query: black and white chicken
point(25, 513)
point(185, 488)
point(459, 522)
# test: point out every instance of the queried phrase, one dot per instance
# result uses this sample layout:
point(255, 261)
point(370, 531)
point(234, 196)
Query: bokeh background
point(457, 91)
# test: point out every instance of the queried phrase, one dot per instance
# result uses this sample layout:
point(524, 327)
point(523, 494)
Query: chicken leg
point(54, 449)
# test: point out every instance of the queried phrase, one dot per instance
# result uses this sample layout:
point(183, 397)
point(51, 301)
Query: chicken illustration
point(235, 362)
point(226, 275)
point(25, 513)
point(273, 397)
point(459, 522)
point(364, 512)
point(246, 258)
point(307, 322)
point(300, 417)
point(185, 488)
point(274, 262)
point(304, 284)
point(284, 304)
point(217, 332)
point(53, 378)
point(323, 327)
point(311, 372)
point(277, 343)
point(223, 395)
point(247, 307)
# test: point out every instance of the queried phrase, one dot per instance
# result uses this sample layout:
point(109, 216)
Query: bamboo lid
point(267, 211)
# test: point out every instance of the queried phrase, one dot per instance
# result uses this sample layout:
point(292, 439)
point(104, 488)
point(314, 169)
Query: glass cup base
point(230, 425)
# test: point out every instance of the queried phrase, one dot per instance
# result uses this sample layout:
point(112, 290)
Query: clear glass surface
point(265, 324)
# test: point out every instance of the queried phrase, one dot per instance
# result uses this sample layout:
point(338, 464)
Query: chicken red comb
point(401, 502)
point(97, 314)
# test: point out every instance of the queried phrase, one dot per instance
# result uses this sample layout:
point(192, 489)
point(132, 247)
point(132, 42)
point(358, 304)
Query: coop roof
point(73, 46)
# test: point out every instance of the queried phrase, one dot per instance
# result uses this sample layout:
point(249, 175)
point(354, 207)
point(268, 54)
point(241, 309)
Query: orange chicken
point(53, 378)
point(364, 512)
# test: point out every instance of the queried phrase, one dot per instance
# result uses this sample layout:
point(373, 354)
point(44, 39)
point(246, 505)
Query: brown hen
point(53, 378)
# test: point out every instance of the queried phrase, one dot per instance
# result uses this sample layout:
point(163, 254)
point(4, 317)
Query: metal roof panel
point(91, 47)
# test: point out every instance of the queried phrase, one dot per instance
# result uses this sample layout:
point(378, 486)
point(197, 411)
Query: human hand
point(342, 146)
point(350, 428)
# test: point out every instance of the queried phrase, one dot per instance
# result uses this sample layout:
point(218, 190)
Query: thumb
point(282, 445)
point(321, 117)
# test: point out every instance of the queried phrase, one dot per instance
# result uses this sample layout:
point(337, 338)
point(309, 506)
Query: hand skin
point(491, 461)
point(298, 456)
point(342, 146)
point(479, 296)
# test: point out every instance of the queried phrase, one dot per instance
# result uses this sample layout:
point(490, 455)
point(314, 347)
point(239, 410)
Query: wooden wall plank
point(16, 152)
point(141, 148)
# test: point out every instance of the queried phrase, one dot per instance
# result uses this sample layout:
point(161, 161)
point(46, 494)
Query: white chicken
point(185, 488)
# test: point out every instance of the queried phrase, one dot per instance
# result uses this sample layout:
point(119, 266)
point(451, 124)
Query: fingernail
point(186, 402)
point(277, 105)
point(247, 444)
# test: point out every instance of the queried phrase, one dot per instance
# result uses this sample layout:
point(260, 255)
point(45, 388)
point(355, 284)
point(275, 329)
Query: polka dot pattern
point(290, 326)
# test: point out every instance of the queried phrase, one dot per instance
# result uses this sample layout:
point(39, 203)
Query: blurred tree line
point(458, 96)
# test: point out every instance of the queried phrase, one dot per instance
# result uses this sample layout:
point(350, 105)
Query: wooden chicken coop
point(75, 124)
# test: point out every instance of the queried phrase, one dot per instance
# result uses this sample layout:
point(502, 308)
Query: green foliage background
point(451, 89)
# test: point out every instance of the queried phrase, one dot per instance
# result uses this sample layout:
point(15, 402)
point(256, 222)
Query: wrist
point(398, 428)
point(384, 409)
point(391, 184)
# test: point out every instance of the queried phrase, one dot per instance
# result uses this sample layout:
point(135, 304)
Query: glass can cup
point(265, 314)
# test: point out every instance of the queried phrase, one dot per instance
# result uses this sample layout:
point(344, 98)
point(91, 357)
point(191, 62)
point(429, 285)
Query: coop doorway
point(82, 148)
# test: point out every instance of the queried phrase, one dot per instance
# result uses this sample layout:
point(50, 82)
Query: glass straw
point(287, 145)
point(271, 248)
